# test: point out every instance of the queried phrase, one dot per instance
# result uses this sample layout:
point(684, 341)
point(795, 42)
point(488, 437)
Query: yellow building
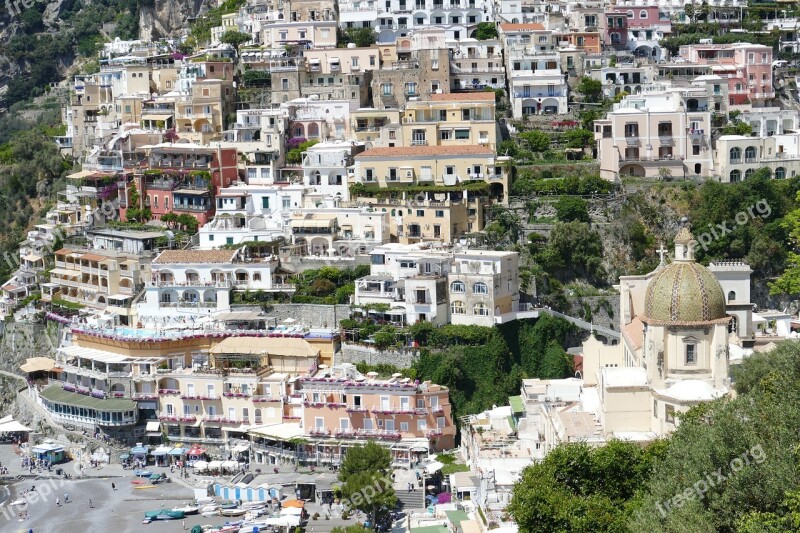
point(434, 165)
point(100, 278)
point(201, 118)
point(458, 119)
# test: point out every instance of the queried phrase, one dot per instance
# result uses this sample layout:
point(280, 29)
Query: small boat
point(164, 514)
point(21, 501)
point(232, 512)
point(142, 473)
point(211, 508)
point(187, 509)
point(228, 505)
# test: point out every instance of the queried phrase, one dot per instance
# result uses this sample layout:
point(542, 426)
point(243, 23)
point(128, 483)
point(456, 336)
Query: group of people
point(32, 463)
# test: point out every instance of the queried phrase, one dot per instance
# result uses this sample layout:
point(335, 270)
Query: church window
point(731, 296)
point(669, 413)
point(655, 408)
point(691, 356)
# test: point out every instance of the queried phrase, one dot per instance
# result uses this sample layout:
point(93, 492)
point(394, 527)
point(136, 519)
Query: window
point(642, 14)
point(450, 170)
point(155, 202)
point(462, 134)
point(422, 425)
point(691, 355)
point(440, 422)
point(480, 309)
point(264, 202)
point(372, 61)
point(229, 240)
point(629, 14)
point(669, 413)
point(446, 135)
point(420, 212)
point(736, 155)
point(780, 173)
point(480, 288)
point(344, 423)
point(439, 213)
point(632, 130)
point(411, 88)
point(355, 62)
point(736, 175)
point(750, 154)
point(285, 84)
point(386, 89)
point(458, 287)
point(389, 425)
point(286, 202)
point(404, 427)
point(731, 296)
point(458, 308)
point(695, 149)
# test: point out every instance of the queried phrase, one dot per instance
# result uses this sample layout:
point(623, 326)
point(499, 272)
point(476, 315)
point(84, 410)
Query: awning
point(32, 258)
point(13, 426)
point(314, 60)
point(177, 451)
point(37, 364)
point(138, 450)
point(153, 425)
point(66, 273)
point(160, 451)
point(333, 60)
point(196, 451)
point(124, 456)
point(758, 319)
point(241, 448)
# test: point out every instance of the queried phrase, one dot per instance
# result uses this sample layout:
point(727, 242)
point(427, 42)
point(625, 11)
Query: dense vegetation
point(43, 55)
point(751, 440)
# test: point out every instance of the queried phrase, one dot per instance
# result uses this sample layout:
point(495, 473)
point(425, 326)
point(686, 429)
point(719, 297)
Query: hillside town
point(276, 227)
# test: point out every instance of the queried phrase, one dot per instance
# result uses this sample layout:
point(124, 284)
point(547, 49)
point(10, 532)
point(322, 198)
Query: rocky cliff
point(168, 18)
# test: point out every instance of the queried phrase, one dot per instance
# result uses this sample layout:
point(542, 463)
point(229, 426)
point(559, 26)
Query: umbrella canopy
point(196, 451)
point(200, 465)
point(177, 451)
point(293, 503)
point(124, 456)
point(230, 464)
point(291, 511)
point(215, 465)
point(290, 320)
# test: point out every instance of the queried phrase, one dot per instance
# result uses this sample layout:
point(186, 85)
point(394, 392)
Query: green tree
point(570, 208)
point(486, 31)
point(361, 37)
point(578, 488)
point(574, 250)
point(537, 140)
point(591, 89)
point(578, 138)
point(556, 363)
point(235, 39)
point(367, 484)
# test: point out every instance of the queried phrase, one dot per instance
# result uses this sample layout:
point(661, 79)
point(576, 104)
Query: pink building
point(747, 67)
point(347, 407)
point(616, 29)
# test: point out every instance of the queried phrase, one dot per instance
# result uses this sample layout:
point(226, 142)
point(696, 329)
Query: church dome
point(684, 293)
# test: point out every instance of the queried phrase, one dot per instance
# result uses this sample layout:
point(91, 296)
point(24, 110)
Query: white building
point(482, 285)
point(325, 168)
point(200, 282)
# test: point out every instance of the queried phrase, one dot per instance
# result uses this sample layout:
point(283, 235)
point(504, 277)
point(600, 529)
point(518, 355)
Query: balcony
point(320, 432)
point(266, 399)
point(144, 396)
point(632, 140)
point(434, 433)
point(220, 284)
point(188, 207)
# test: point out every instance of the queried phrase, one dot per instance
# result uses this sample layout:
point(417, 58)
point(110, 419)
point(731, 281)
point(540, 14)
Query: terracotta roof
point(634, 332)
point(411, 151)
point(522, 27)
point(168, 257)
point(461, 97)
point(92, 257)
point(63, 251)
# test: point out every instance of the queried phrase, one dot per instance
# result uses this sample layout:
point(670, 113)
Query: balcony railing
point(144, 396)
point(265, 399)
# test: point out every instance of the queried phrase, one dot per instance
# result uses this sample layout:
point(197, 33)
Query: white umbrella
point(291, 511)
point(289, 320)
point(200, 465)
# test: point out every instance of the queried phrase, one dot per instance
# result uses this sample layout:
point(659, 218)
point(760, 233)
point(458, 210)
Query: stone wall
point(355, 353)
point(311, 315)
point(599, 310)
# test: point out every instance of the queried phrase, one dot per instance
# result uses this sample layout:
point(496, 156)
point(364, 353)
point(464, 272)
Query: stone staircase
point(409, 500)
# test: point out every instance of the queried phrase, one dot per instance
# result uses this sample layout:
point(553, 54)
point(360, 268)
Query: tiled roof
point(168, 257)
point(461, 97)
point(412, 151)
point(522, 27)
point(634, 331)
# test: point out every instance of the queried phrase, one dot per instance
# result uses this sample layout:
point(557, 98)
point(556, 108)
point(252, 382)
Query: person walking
point(113, 487)
point(66, 498)
point(58, 502)
point(90, 504)
point(184, 525)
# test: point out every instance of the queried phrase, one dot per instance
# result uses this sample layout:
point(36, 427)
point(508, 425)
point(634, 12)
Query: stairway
point(409, 500)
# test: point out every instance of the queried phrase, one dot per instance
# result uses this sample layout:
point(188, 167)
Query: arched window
point(736, 155)
point(458, 308)
point(458, 287)
point(630, 14)
point(257, 276)
point(736, 175)
point(780, 173)
point(615, 39)
point(642, 14)
point(731, 296)
point(749, 172)
point(750, 154)
point(480, 288)
point(480, 309)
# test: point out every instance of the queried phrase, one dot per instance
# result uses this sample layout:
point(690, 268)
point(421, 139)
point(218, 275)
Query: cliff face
point(168, 18)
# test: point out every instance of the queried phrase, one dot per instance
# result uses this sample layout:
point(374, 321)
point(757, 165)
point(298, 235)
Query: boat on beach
point(187, 509)
point(232, 512)
point(164, 514)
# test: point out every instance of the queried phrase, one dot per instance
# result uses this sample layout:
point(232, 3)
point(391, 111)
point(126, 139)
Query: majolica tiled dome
point(684, 292)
